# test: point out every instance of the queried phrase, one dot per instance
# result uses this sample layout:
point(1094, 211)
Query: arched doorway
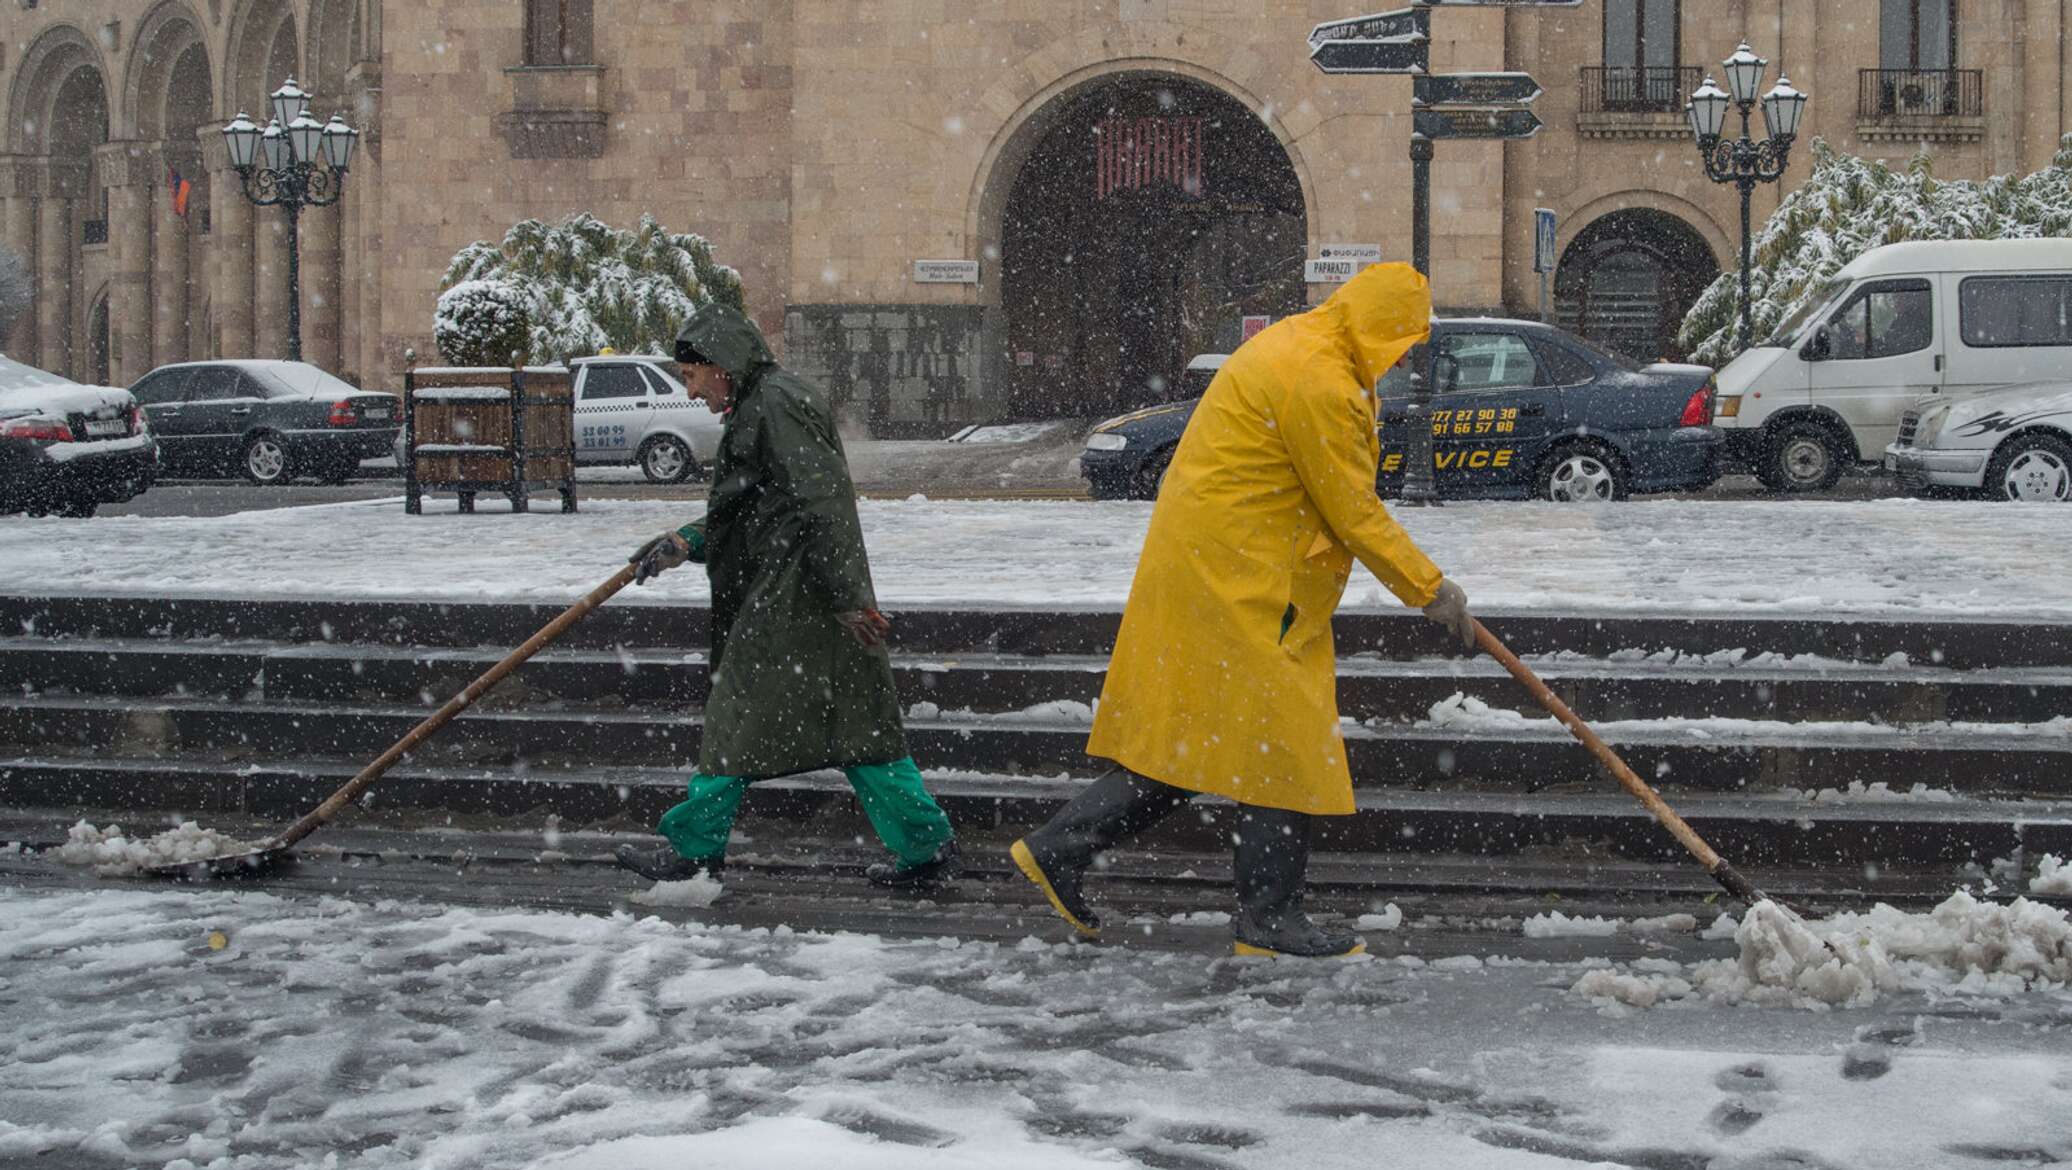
point(1152, 214)
point(1627, 280)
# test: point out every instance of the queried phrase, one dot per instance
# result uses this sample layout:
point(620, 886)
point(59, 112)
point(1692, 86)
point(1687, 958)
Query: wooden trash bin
point(507, 431)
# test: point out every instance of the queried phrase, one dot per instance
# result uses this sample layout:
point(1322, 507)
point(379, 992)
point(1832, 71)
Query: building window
point(1917, 34)
point(1640, 34)
point(557, 32)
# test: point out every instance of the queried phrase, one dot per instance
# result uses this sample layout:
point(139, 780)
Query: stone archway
point(171, 94)
point(1627, 279)
point(59, 121)
point(99, 369)
point(1142, 215)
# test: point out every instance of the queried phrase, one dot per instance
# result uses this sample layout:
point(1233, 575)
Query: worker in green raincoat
point(801, 679)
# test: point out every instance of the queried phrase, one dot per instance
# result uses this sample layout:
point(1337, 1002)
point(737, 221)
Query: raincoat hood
point(724, 336)
point(1382, 313)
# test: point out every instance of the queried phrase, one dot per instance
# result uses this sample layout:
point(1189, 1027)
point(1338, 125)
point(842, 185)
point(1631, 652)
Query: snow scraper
point(1722, 872)
point(272, 852)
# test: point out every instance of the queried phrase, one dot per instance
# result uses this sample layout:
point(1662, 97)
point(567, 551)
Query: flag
point(178, 188)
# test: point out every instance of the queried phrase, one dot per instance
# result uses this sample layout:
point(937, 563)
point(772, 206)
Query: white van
point(1902, 323)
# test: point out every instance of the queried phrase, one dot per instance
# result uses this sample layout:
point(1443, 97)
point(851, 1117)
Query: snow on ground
point(330, 1033)
point(111, 852)
point(1461, 711)
point(1697, 557)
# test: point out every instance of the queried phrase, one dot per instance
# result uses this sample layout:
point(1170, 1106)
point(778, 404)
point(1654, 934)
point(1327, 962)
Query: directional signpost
point(1392, 55)
point(1485, 106)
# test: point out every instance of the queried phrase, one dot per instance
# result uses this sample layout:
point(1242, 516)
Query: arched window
point(557, 32)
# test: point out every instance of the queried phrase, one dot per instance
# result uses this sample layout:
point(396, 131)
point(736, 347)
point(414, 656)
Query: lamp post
point(1743, 161)
point(295, 162)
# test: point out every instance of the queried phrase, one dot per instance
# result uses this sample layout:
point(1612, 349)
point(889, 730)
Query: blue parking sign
point(1542, 240)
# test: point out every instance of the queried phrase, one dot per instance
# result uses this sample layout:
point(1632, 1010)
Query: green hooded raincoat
point(792, 691)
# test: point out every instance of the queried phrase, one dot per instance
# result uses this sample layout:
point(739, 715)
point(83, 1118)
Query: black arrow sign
point(1400, 23)
point(1395, 55)
point(1477, 89)
point(1469, 123)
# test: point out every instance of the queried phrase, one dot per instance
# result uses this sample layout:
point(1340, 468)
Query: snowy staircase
point(233, 709)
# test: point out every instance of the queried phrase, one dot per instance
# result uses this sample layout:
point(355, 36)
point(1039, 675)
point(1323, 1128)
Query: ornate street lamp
point(295, 162)
point(1744, 161)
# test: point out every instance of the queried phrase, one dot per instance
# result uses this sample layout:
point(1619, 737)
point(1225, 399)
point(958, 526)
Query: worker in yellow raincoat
point(1224, 679)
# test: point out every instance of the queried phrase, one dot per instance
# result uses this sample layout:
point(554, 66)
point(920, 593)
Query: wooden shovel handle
point(454, 706)
point(1714, 864)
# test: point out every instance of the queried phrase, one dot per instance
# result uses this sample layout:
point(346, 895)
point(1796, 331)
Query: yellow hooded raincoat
point(1224, 678)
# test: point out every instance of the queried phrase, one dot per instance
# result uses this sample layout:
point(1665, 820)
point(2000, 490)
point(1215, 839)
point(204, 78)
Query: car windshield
point(1787, 332)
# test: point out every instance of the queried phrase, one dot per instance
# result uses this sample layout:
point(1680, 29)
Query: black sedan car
point(271, 421)
point(1522, 411)
point(66, 449)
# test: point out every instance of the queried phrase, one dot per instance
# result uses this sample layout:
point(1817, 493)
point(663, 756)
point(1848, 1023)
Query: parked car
point(272, 421)
point(66, 449)
point(1944, 319)
point(631, 409)
point(1524, 410)
point(2014, 443)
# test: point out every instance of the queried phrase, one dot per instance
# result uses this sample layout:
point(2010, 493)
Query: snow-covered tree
point(17, 291)
point(1850, 205)
point(584, 285)
point(481, 323)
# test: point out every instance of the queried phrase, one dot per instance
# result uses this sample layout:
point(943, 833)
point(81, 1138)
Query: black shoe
point(1270, 860)
point(1119, 804)
point(947, 863)
point(664, 864)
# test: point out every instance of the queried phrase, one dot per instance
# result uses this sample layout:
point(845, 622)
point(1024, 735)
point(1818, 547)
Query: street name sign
point(945, 272)
point(1336, 271)
point(1408, 54)
point(1472, 123)
point(1399, 23)
point(1364, 253)
point(1477, 89)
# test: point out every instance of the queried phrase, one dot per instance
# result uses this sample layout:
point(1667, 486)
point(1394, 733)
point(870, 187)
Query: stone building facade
point(1133, 179)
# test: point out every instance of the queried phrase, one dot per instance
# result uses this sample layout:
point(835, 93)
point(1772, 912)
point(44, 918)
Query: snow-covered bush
point(481, 323)
point(584, 285)
point(1850, 205)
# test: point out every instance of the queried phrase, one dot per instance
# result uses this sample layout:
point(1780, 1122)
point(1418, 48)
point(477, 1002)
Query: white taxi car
point(631, 410)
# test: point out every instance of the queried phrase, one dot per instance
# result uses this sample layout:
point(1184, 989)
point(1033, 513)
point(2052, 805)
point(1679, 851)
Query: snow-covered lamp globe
point(1708, 112)
point(305, 138)
point(339, 140)
point(290, 102)
point(1783, 108)
point(242, 138)
point(273, 147)
point(1744, 74)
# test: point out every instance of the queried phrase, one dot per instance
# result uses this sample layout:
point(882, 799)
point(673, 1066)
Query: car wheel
point(265, 459)
point(1582, 473)
point(1801, 457)
point(1151, 476)
point(2031, 468)
point(665, 459)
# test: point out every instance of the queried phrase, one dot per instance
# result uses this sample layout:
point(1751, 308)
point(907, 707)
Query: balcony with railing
point(1936, 104)
point(1628, 101)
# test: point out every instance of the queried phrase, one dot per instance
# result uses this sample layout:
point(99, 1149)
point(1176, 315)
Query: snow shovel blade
point(251, 863)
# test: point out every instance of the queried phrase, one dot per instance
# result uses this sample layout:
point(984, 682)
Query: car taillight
point(136, 420)
point(344, 414)
point(1698, 411)
point(42, 430)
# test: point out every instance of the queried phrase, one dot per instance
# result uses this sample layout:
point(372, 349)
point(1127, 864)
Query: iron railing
point(1637, 89)
point(1920, 93)
point(93, 231)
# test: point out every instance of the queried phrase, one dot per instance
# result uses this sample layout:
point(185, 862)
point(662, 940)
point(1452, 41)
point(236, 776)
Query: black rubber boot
point(664, 864)
point(1117, 805)
point(947, 863)
point(1271, 857)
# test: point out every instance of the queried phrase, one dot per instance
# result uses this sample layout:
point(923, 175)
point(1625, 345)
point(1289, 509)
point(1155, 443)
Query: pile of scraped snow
point(1555, 924)
point(1464, 712)
point(1963, 945)
point(700, 891)
point(113, 854)
point(1389, 917)
point(2052, 876)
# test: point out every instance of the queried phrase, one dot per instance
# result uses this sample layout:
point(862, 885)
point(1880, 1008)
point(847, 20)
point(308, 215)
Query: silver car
point(2014, 443)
